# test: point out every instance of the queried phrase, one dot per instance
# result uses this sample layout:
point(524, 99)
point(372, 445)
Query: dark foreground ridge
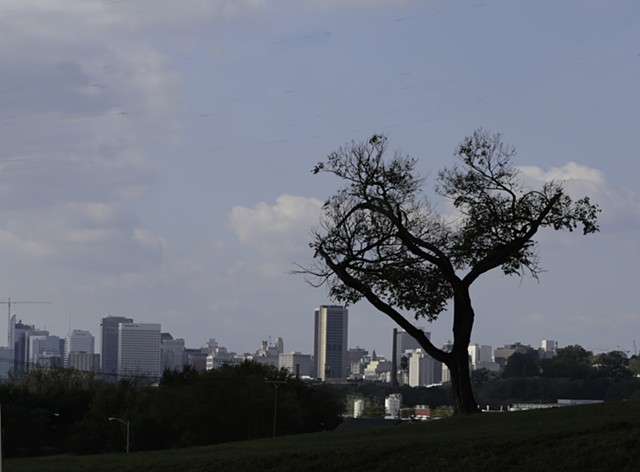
point(581, 438)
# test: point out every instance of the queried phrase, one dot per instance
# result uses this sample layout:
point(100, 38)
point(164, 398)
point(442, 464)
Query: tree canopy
point(381, 240)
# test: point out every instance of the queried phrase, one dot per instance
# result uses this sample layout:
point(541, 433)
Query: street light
point(276, 384)
point(113, 418)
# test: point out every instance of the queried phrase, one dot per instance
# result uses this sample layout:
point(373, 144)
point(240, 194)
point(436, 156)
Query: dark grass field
point(603, 437)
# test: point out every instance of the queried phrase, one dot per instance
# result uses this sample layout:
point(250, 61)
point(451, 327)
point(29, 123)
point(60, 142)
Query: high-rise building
point(139, 350)
point(43, 350)
point(421, 369)
point(18, 332)
point(172, 354)
point(298, 364)
point(84, 361)
point(480, 356)
point(356, 361)
point(406, 342)
point(78, 341)
point(109, 345)
point(548, 349)
point(330, 342)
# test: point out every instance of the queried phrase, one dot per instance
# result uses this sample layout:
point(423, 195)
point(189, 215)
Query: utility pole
point(276, 384)
point(9, 302)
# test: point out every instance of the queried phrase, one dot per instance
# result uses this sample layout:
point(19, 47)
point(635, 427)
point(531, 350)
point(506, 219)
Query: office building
point(406, 342)
point(139, 350)
point(298, 364)
point(547, 349)
point(43, 350)
point(330, 342)
point(421, 368)
point(172, 354)
point(78, 341)
point(109, 346)
point(481, 357)
point(18, 340)
point(6, 362)
point(84, 361)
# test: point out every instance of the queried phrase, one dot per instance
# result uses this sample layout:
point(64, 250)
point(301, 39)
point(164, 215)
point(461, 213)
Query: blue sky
point(156, 155)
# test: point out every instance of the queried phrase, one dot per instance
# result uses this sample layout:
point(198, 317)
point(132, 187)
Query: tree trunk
point(458, 360)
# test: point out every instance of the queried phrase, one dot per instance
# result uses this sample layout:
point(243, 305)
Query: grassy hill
point(603, 437)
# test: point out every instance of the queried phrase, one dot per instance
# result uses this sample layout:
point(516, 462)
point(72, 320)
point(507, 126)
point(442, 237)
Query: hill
point(585, 438)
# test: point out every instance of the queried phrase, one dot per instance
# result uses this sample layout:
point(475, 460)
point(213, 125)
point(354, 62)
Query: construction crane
point(10, 302)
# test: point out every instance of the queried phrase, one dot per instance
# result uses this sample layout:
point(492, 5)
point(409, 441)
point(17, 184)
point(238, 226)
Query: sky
point(155, 155)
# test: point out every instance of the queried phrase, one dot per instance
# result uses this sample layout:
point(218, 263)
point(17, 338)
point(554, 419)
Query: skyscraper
point(78, 341)
point(110, 342)
point(405, 342)
point(139, 350)
point(330, 342)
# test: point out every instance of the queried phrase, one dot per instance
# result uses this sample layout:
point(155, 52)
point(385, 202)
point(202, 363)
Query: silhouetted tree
point(613, 365)
point(381, 240)
point(572, 361)
point(522, 364)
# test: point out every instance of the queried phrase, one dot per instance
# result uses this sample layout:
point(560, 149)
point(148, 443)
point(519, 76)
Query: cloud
point(268, 225)
point(620, 207)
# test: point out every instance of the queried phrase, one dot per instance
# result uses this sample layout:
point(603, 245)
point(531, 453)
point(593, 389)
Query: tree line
point(63, 410)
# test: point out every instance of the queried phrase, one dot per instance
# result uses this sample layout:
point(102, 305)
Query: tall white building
point(547, 349)
point(480, 356)
point(421, 369)
point(139, 350)
point(78, 341)
point(331, 325)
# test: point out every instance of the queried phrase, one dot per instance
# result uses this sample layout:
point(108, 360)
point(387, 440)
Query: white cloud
point(620, 207)
point(12, 245)
point(289, 217)
point(570, 171)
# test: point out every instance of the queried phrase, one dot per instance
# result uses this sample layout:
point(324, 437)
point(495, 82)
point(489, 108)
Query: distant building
point(139, 350)
point(501, 354)
point(358, 408)
point(219, 356)
point(6, 361)
point(43, 350)
point(392, 405)
point(196, 358)
point(78, 341)
point(109, 346)
point(421, 369)
point(547, 349)
point(172, 354)
point(84, 361)
point(298, 364)
point(18, 332)
point(355, 361)
point(269, 353)
point(481, 357)
point(378, 370)
point(330, 342)
point(405, 342)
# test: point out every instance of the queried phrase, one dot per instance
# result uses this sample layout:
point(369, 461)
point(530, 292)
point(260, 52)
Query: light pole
point(113, 418)
point(276, 384)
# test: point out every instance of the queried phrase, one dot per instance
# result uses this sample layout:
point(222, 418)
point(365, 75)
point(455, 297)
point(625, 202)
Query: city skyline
point(109, 327)
point(156, 156)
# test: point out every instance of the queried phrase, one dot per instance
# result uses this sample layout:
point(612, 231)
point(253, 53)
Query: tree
point(522, 364)
point(612, 365)
point(571, 361)
point(381, 240)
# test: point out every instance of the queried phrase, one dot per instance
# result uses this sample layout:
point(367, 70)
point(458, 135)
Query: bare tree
point(380, 239)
